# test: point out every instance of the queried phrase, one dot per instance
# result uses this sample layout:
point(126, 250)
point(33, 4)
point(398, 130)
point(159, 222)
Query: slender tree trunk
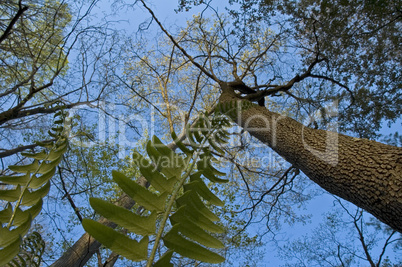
point(364, 172)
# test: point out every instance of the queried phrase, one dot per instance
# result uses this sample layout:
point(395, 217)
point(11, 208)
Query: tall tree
point(364, 172)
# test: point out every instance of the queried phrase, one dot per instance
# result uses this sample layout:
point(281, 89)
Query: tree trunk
point(364, 172)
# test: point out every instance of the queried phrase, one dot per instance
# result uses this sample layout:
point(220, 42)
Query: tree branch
point(210, 75)
point(7, 32)
point(16, 150)
point(12, 114)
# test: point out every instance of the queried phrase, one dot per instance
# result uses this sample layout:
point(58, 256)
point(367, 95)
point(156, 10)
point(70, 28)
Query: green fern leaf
point(15, 180)
point(7, 253)
point(32, 249)
point(163, 163)
point(214, 145)
point(164, 261)
point(192, 200)
point(140, 194)
point(119, 243)
point(161, 147)
point(141, 225)
point(6, 213)
point(180, 145)
point(191, 230)
point(59, 151)
point(215, 171)
point(37, 182)
point(10, 195)
point(209, 173)
point(40, 155)
point(25, 168)
point(9, 236)
point(199, 186)
point(20, 216)
point(197, 218)
point(18, 220)
point(58, 129)
point(168, 174)
point(155, 178)
point(46, 167)
point(189, 249)
point(30, 198)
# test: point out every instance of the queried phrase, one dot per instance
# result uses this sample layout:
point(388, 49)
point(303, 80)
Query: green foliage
point(24, 194)
point(178, 193)
point(233, 108)
point(35, 46)
point(361, 42)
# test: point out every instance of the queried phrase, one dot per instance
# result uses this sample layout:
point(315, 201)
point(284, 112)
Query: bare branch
point(210, 75)
point(6, 153)
point(10, 26)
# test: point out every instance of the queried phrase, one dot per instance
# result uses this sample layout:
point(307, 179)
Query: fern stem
point(32, 175)
point(10, 223)
point(169, 206)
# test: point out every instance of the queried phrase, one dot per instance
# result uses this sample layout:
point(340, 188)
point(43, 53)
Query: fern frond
point(177, 213)
point(24, 194)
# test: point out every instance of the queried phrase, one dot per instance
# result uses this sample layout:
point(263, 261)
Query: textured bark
point(364, 172)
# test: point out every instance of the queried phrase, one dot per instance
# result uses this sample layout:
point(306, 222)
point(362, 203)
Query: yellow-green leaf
point(157, 180)
point(190, 249)
point(9, 236)
point(180, 144)
point(198, 218)
point(119, 243)
point(140, 194)
point(15, 180)
point(141, 225)
point(39, 155)
point(9, 252)
point(25, 168)
point(164, 261)
point(30, 198)
point(189, 229)
point(41, 180)
point(10, 195)
point(199, 186)
point(20, 215)
point(192, 200)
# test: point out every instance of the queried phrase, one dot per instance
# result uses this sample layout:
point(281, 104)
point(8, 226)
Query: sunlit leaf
point(30, 198)
point(198, 218)
point(140, 194)
point(141, 225)
point(190, 249)
point(119, 243)
point(164, 261)
point(8, 253)
point(10, 195)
